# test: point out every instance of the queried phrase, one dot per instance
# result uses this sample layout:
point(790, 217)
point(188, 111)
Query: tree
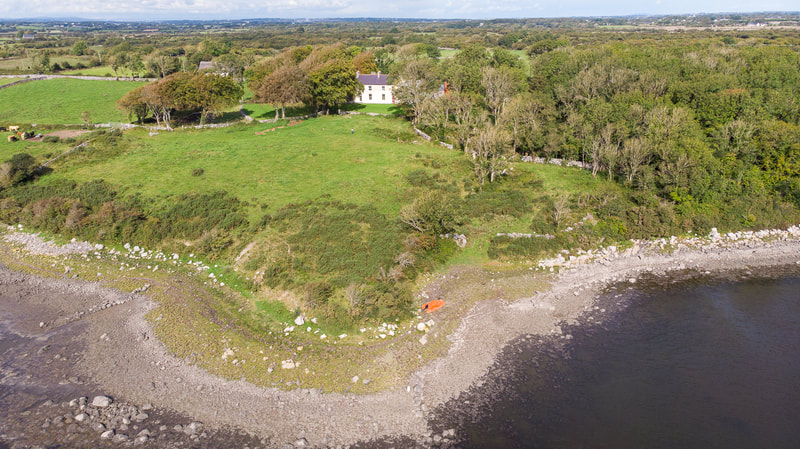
point(466, 120)
point(134, 65)
point(133, 104)
point(211, 94)
point(286, 85)
point(417, 82)
point(504, 58)
point(79, 48)
point(526, 116)
point(464, 70)
point(432, 213)
point(20, 168)
point(600, 142)
point(561, 209)
point(119, 61)
point(491, 151)
point(161, 64)
point(383, 60)
point(435, 114)
point(235, 63)
point(334, 83)
point(635, 155)
point(499, 87)
point(364, 62)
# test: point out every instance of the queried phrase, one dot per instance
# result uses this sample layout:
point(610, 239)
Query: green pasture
point(103, 70)
point(61, 101)
point(260, 111)
point(15, 64)
point(290, 164)
point(42, 151)
point(267, 111)
point(4, 81)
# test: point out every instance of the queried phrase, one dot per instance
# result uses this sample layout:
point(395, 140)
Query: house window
point(369, 87)
point(370, 96)
point(383, 87)
point(383, 96)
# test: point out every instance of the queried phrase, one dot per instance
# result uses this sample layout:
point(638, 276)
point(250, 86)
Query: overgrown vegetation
point(675, 132)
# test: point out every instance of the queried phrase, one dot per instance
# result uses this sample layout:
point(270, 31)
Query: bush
point(192, 214)
point(432, 213)
point(17, 170)
point(197, 172)
point(340, 243)
point(51, 139)
point(512, 203)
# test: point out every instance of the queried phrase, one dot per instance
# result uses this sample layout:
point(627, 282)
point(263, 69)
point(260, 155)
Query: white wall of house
point(376, 94)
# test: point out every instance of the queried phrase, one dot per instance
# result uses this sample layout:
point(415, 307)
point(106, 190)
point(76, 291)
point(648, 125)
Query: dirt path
point(108, 347)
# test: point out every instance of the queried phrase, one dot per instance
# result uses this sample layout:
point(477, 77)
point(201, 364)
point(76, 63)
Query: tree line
point(704, 126)
point(206, 93)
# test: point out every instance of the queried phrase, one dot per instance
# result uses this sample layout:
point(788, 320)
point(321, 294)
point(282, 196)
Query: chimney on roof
point(379, 73)
point(358, 72)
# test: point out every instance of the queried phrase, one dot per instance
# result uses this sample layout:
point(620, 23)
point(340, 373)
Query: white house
point(377, 89)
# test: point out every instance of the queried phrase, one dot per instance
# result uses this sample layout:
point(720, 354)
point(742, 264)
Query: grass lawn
point(260, 111)
point(4, 81)
point(267, 111)
point(61, 101)
point(292, 164)
point(374, 108)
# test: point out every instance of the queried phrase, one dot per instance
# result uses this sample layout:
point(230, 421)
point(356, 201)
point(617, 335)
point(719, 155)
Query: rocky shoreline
point(112, 352)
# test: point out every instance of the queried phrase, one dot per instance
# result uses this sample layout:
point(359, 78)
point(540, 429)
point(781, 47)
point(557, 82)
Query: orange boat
point(430, 306)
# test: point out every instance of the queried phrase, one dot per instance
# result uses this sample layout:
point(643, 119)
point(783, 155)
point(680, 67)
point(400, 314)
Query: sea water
point(690, 363)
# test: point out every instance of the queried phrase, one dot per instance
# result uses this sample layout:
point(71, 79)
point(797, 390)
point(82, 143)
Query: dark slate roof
point(379, 79)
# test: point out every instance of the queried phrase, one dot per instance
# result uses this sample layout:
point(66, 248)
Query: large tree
point(286, 85)
point(418, 81)
point(334, 83)
point(491, 151)
point(182, 91)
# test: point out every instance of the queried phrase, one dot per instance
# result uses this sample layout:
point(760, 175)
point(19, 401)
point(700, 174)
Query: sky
point(427, 9)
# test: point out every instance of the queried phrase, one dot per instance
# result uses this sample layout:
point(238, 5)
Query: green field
point(267, 111)
point(4, 81)
point(40, 150)
point(103, 70)
point(61, 101)
point(292, 164)
point(15, 64)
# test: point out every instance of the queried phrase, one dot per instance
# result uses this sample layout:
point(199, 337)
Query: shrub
point(431, 213)
point(512, 203)
point(51, 139)
point(197, 172)
point(17, 170)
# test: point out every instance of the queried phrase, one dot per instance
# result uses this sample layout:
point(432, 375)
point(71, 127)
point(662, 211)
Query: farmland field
point(290, 164)
point(4, 81)
point(103, 70)
point(61, 101)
